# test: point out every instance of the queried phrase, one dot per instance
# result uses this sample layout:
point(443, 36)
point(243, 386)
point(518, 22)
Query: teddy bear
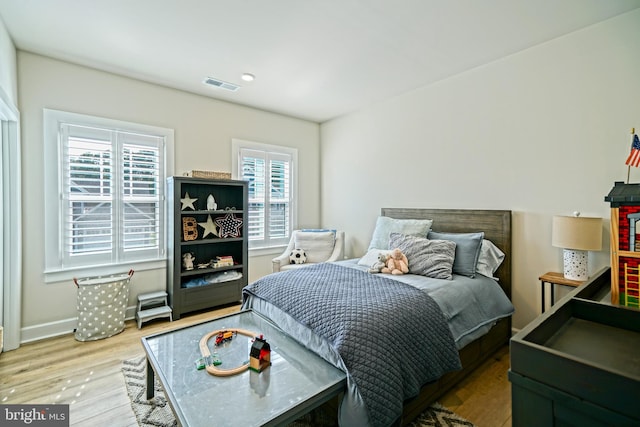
point(397, 263)
point(377, 266)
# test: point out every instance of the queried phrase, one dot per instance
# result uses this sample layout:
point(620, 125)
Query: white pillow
point(372, 256)
point(317, 244)
point(385, 226)
point(490, 258)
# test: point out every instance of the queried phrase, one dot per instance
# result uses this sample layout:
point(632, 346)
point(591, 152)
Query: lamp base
point(575, 265)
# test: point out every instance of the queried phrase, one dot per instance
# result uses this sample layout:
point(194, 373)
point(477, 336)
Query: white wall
point(8, 77)
point(203, 131)
point(543, 132)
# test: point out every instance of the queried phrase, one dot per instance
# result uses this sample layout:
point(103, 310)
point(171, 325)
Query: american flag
point(634, 156)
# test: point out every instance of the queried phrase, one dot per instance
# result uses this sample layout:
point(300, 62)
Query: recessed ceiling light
point(248, 77)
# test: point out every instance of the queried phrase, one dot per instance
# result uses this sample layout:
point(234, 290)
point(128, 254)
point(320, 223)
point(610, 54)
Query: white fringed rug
point(156, 412)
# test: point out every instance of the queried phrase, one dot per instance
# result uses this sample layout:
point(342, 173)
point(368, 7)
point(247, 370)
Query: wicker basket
point(210, 174)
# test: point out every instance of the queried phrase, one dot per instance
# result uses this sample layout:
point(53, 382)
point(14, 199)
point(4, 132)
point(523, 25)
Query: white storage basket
point(102, 305)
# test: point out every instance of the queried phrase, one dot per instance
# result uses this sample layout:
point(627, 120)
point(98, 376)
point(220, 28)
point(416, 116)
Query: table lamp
point(576, 235)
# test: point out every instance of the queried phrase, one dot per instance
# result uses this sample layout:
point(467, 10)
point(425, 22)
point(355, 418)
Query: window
point(104, 191)
point(271, 173)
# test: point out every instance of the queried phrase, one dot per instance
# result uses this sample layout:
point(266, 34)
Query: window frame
point(56, 269)
point(266, 245)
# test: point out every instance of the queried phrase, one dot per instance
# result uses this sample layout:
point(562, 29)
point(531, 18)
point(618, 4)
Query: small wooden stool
point(152, 298)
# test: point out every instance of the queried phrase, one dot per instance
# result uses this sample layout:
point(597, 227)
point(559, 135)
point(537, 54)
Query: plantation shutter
point(141, 194)
point(111, 190)
point(280, 197)
point(269, 177)
point(253, 170)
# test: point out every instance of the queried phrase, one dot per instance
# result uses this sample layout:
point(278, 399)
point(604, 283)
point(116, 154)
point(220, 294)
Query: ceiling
point(314, 60)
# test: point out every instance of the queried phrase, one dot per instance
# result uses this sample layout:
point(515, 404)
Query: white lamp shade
point(576, 235)
point(575, 232)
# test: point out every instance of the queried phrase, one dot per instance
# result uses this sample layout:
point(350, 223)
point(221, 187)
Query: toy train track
point(221, 336)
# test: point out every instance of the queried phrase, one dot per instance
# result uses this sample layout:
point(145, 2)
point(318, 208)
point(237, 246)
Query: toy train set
point(259, 354)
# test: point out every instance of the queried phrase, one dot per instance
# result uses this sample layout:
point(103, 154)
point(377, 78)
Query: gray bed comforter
point(401, 343)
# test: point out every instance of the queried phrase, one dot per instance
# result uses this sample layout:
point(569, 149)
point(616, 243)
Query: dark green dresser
point(578, 364)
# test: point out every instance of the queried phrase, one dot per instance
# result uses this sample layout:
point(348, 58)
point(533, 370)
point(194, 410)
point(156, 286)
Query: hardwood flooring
point(87, 376)
point(484, 397)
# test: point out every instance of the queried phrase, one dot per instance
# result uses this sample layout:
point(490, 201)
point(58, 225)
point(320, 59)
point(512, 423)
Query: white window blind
point(110, 209)
point(111, 195)
point(270, 174)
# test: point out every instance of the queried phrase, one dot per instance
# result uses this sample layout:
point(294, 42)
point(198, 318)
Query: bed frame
point(496, 225)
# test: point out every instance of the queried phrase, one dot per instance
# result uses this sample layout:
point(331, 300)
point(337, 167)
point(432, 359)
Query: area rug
point(156, 412)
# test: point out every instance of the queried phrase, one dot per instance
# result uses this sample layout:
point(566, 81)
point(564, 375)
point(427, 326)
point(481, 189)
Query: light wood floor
point(87, 375)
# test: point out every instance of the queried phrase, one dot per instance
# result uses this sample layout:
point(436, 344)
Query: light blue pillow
point(385, 226)
point(318, 230)
point(467, 250)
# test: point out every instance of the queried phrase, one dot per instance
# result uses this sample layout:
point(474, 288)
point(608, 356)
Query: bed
point(387, 382)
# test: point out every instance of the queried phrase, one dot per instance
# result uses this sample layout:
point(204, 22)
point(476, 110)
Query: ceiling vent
point(221, 84)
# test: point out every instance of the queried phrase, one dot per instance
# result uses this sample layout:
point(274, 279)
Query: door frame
point(11, 218)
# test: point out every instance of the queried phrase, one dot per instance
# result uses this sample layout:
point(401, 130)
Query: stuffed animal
point(377, 266)
point(397, 263)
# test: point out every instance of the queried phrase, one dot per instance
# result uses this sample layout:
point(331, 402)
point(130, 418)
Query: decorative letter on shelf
point(189, 228)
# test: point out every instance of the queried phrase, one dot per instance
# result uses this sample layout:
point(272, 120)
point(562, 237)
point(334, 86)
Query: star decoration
point(229, 225)
point(209, 227)
point(187, 202)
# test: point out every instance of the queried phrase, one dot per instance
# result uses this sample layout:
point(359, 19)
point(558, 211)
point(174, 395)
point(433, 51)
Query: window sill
point(55, 276)
point(272, 250)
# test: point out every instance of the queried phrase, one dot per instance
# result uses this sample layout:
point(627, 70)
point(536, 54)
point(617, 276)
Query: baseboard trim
point(60, 327)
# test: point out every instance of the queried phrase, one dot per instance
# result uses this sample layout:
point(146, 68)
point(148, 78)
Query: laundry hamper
point(102, 304)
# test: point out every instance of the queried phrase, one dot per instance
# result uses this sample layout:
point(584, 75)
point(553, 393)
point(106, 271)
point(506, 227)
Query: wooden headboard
point(496, 225)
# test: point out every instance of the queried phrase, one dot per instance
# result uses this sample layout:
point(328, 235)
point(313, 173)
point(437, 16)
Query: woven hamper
point(102, 305)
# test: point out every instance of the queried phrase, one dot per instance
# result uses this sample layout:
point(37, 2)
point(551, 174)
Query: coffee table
point(296, 382)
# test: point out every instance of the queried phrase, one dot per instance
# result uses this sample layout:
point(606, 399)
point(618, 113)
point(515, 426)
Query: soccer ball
point(297, 256)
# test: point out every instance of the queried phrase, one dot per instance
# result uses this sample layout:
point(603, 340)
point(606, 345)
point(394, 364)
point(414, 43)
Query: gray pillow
point(467, 250)
point(430, 258)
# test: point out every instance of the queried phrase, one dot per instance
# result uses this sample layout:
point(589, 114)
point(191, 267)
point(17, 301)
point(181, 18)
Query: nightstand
point(553, 278)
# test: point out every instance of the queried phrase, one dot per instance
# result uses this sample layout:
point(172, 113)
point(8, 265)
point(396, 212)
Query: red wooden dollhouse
point(625, 244)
